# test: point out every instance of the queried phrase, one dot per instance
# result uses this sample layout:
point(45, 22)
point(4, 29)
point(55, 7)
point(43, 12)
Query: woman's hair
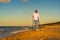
point(36, 11)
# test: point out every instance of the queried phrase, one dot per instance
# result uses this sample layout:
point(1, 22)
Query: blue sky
point(18, 12)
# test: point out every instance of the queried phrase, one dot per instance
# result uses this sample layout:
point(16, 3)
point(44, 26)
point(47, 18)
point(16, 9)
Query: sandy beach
point(48, 32)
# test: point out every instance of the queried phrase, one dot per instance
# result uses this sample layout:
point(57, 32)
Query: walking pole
point(32, 23)
point(38, 24)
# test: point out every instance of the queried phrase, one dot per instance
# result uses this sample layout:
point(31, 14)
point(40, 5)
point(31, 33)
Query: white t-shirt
point(36, 16)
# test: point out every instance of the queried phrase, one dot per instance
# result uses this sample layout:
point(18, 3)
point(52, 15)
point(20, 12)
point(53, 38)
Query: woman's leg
point(35, 24)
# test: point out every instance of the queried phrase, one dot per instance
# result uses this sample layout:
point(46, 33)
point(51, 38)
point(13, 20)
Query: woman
point(36, 19)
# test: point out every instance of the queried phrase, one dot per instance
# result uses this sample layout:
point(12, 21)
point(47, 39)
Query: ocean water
point(6, 30)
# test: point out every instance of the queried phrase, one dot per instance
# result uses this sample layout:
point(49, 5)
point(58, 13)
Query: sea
point(6, 30)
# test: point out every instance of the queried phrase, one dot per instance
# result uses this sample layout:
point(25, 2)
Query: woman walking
point(36, 19)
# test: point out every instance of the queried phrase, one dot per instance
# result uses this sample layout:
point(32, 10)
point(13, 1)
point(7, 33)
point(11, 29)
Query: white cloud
point(5, 1)
point(25, 0)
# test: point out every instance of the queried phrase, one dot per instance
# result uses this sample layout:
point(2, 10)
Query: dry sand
point(48, 32)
